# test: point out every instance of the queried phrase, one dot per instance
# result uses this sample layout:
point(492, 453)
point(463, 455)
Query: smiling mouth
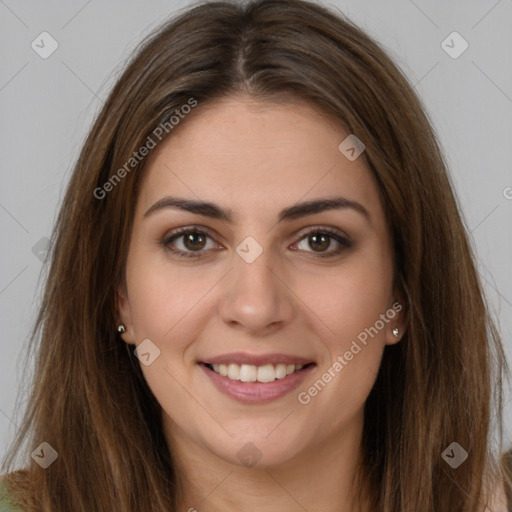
point(251, 373)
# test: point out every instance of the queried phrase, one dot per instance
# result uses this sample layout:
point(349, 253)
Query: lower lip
point(257, 392)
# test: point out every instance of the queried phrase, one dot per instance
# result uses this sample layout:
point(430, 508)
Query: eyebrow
point(294, 212)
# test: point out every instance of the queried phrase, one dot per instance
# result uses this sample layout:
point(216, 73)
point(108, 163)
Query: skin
point(257, 158)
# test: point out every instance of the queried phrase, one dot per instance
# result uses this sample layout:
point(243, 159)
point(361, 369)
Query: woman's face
point(272, 278)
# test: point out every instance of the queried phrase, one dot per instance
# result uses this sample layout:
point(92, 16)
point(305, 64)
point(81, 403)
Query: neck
point(320, 479)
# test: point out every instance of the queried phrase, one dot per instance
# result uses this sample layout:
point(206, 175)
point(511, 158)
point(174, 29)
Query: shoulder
point(5, 501)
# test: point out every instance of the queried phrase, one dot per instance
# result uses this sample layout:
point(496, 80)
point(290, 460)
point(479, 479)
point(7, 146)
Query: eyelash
point(344, 242)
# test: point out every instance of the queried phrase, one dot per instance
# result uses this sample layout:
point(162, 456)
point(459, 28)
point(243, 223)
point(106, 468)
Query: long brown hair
point(441, 384)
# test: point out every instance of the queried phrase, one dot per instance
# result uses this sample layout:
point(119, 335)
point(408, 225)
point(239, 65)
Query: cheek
point(161, 296)
point(347, 309)
point(351, 298)
point(151, 314)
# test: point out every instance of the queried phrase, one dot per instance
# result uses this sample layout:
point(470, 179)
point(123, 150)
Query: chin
point(260, 450)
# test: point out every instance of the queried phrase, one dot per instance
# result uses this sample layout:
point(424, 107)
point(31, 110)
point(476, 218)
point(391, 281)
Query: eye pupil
point(314, 240)
point(192, 243)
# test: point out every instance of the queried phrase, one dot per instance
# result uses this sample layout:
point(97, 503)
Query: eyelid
point(181, 231)
point(313, 228)
point(334, 233)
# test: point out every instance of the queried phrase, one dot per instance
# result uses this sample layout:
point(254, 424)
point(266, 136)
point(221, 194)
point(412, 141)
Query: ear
point(397, 316)
point(124, 314)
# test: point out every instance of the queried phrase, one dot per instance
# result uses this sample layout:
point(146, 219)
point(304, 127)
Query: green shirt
point(5, 505)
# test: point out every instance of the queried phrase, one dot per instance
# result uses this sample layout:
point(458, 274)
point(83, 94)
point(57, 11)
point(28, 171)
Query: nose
point(256, 299)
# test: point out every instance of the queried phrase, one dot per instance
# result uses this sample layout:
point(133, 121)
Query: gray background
point(48, 106)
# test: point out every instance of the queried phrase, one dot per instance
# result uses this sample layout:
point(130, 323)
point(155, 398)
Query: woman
point(262, 212)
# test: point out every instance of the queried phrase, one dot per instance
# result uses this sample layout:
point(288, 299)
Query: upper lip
point(256, 359)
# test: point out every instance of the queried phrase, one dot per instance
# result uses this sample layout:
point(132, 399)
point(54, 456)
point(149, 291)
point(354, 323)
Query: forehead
point(248, 155)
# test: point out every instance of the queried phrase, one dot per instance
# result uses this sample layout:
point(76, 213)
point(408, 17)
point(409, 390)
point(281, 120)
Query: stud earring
point(395, 332)
point(121, 328)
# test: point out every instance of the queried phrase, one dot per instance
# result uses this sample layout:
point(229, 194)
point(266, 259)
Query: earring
point(395, 332)
point(121, 328)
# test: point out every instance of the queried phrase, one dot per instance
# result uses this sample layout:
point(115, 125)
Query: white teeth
point(281, 371)
point(234, 371)
point(266, 373)
point(247, 373)
point(251, 373)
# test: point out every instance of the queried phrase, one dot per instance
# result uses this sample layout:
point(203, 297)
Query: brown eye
point(194, 241)
point(320, 240)
point(188, 242)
